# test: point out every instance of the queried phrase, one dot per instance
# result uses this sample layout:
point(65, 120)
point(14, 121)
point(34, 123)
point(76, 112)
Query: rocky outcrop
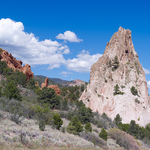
point(15, 64)
point(55, 87)
point(26, 69)
point(45, 84)
point(117, 82)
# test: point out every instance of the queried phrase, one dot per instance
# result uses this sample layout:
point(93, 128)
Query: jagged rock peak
point(121, 45)
point(15, 64)
point(119, 68)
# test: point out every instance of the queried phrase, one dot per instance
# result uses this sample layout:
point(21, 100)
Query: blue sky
point(66, 37)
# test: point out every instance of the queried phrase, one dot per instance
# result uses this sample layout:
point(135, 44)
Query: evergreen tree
point(134, 91)
point(82, 88)
point(57, 121)
point(116, 89)
point(49, 97)
point(115, 63)
point(103, 134)
point(118, 119)
point(133, 128)
point(11, 91)
point(88, 127)
point(3, 65)
point(31, 84)
point(74, 126)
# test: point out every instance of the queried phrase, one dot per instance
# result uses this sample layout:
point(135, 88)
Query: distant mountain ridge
point(59, 82)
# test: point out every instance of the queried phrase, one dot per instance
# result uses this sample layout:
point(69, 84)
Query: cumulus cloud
point(146, 71)
point(148, 83)
point(69, 36)
point(28, 48)
point(64, 72)
point(83, 62)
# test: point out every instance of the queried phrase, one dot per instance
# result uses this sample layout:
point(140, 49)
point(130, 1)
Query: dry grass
point(50, 139)
point(25, 147)
point(10, 133)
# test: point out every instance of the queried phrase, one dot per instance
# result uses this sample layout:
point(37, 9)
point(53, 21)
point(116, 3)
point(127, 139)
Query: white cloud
point(69, 36)
point(64, 72)
point(28, 48)
point(148, 83)
point(83, 62)
point(146, 71)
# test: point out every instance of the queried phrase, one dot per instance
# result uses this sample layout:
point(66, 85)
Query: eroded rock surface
point(119, 65)
point(15, 64)
point(45, 84)
point(55, 87)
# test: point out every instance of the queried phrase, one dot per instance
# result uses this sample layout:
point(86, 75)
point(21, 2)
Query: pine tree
point(103, 134)
point(88, 127)
point(118, 119)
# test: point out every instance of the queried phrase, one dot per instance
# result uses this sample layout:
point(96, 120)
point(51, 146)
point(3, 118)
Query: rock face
point(45, 84)
point(15, 64)
point(76, 82)
point(55, 87)
point(113, 76)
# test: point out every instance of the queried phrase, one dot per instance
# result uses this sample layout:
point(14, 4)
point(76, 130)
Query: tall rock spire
point(117, 82)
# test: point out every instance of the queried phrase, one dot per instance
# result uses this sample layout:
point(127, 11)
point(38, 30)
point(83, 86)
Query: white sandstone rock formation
point(119, 65)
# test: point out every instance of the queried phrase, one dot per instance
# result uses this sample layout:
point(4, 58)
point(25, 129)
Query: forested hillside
point(24, 105)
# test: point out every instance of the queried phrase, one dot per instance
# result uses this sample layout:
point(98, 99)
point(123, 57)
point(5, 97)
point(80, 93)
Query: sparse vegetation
point(123, 139)
point(115, 64)
point(117, 91)
point(134, 91)
point(137, 101)
point(137, 68)
point(122, 86)
point(88, 136)
point(23, 101)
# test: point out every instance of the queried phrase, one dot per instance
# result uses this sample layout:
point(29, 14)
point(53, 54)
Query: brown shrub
point(123, 139)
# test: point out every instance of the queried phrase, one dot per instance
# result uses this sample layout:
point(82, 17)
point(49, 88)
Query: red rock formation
point(45, 84)
point(55, 87)
point(16, 64)
point(27, 71)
